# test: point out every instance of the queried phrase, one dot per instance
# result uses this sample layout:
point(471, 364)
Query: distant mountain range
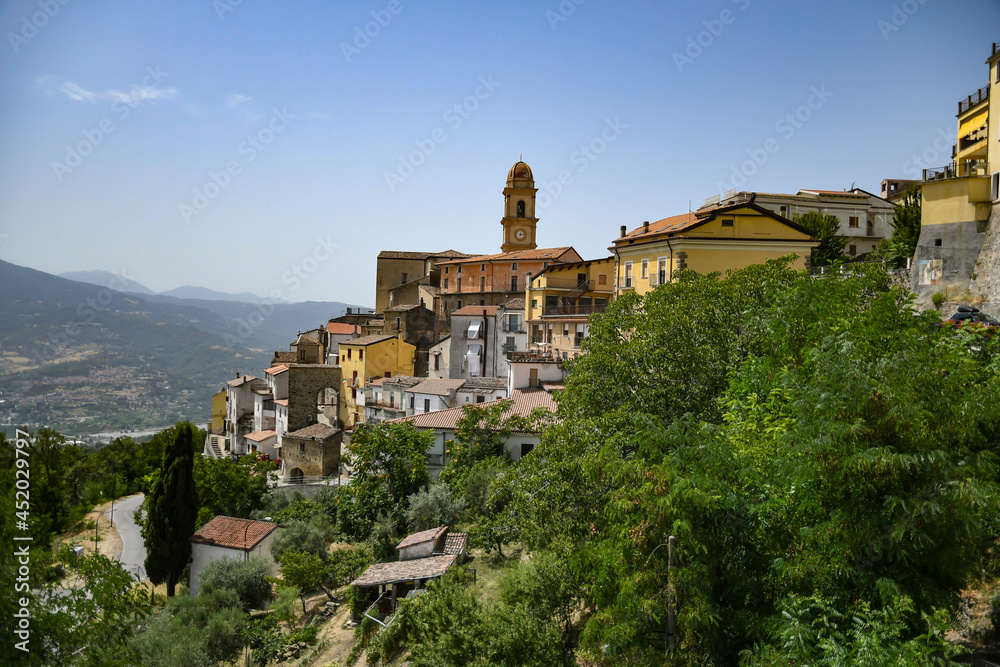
point(78, 353)
point(116, 282)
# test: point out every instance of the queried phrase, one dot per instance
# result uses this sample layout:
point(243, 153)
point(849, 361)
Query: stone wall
point(313, 458)
point(986, 274)
point(959, 250)
point(305, 384)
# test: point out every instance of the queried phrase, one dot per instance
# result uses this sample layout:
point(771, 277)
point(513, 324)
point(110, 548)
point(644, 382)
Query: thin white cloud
point(52, 85)
point(142, 94)
point(251, 117)
point(319, 115)
point(137, 95)
point(235, 99)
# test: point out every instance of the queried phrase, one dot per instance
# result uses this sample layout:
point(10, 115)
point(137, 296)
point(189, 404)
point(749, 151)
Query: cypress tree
point(173, 508)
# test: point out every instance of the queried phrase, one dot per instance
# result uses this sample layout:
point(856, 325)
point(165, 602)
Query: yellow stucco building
point(716, 239)
point(957, 198)
point(560, 299)
point(218, 412)
point(362, 359)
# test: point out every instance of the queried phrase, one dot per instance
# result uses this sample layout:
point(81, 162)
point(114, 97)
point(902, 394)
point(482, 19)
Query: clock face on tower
point(519, 235)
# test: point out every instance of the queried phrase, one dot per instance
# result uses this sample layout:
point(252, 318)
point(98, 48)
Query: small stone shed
point(422, 556)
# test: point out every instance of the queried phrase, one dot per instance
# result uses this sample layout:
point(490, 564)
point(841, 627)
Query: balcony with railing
point(975, 98)
point(569, 309)
point(565, 283)
point(958, 169)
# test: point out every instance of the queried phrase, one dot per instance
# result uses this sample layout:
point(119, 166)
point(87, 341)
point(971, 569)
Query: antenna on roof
point(521, 159)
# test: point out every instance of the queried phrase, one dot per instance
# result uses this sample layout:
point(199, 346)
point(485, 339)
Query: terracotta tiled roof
point(233, 533)
point(421, 537)
point(673, 223)
point(314, 432)
point(342, 328)
point(517, 255)
point(485, 383)
point(307, 339)
point(380, 574)
point(514, 304)
point(403, 380)
point(276, 370)
point(377, 382)
point(839, 193)
point(489, 311)
point(261, 436)
point(456, 543)
point(430, 288)
point(281, 401)
point(437, 386)
point(521, 402)
point(404, 254)
point(403, 308)
point(451, 253)
point(242, 380)
point(367, 340)
point(283, 357)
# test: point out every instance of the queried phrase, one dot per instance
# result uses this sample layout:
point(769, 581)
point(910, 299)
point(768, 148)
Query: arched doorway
point(295, 476)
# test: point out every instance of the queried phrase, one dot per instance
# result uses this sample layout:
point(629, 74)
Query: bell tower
point(519, 209)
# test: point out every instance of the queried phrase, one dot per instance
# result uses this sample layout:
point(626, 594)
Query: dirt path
point(109, 542)
point(340, 640)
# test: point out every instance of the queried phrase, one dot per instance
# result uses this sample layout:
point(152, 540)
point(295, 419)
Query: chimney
point(623, 231)
point(645, 226)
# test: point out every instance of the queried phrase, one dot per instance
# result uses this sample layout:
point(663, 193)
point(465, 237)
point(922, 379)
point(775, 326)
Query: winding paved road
point(133, 556)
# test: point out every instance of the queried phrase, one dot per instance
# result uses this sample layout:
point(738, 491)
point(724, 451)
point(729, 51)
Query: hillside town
point(455, 328)
point(629, 425)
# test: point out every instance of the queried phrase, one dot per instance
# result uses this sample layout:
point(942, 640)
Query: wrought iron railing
point(975, 98)
point(962, 169)
point(573, 309)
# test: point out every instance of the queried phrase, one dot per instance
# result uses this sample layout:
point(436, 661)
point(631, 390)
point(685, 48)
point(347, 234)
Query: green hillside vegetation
point(825, 458)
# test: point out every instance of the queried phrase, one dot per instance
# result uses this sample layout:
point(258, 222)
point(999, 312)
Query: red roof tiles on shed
point(233, 533)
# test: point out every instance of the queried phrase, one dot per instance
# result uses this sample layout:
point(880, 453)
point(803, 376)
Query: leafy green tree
point(480, 435)
point(345, 564)
point(312, 536)
point(816, 631)
point(449, 626)
point(173, 506)
point(192, 632)
point(668, 352)
point(90, 624)
point(390, 464)
point(433, 506)
point(826, 229)
point(229, 488)
point(905, 229)
point(248, 579)
point(304, 571)
point(831, 442)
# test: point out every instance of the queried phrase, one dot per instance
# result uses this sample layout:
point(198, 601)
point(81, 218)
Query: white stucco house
point(229, 537)
point(444, 422)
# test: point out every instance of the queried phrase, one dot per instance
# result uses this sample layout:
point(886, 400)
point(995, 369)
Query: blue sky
point(278, 147)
